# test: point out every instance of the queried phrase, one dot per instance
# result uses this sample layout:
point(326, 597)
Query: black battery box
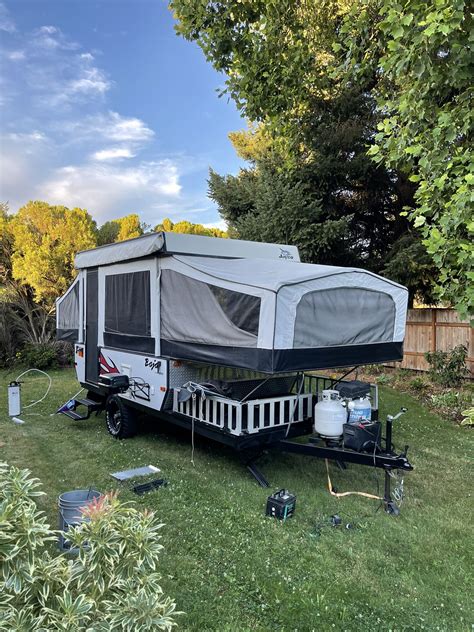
point(281, 505)
point(116, 382)
point(353, 389)
point(362, 437)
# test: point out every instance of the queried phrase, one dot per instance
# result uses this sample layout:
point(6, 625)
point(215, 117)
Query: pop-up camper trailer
point(151, 318)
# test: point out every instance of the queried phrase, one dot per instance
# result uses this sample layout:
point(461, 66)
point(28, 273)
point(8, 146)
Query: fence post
point(433, 330)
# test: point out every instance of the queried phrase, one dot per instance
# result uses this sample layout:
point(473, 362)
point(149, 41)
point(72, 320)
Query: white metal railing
point(245, 417)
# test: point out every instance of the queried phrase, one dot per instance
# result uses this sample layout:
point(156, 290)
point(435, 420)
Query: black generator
point(281, 505)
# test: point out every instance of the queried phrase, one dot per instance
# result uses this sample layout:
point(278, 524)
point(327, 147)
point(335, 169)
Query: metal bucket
point(70, 514)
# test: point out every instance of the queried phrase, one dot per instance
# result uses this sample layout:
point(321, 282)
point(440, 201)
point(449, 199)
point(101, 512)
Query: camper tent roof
point(241, 304)
point(175, 243)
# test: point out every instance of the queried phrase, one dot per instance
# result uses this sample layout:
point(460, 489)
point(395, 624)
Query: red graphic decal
point(107, 366)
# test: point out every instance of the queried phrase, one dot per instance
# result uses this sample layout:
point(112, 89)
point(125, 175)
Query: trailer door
point(92, 314)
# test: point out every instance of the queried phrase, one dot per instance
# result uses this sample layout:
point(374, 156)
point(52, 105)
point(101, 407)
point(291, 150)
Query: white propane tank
point(329, 415)
point(360, 409)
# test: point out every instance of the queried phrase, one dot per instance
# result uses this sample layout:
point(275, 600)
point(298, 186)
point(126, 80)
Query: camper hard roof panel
point(181, 244)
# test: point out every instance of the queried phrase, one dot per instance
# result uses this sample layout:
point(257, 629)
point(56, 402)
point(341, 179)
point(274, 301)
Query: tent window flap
point(195, 311)
point(127, 304)
point(344, 316)
point(68, 315)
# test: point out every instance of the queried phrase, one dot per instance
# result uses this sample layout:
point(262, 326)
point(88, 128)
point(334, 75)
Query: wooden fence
point(434, 330)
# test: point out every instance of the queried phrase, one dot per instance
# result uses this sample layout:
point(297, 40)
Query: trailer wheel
point(120, 418)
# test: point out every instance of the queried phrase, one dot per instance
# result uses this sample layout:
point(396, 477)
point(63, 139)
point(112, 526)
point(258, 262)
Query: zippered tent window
point(344, 316)
point(194, 311)
point(67, 316)
point(242, 309)
point(127, 311)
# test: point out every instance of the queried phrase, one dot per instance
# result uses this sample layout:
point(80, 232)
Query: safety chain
point(398, 493)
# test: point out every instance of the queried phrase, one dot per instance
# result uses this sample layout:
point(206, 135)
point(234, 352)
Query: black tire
point(120, 418)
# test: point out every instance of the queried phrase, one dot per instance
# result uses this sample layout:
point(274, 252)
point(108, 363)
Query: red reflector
point(163, 388)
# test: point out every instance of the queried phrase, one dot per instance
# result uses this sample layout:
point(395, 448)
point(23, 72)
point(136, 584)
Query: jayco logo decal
point(285, 254)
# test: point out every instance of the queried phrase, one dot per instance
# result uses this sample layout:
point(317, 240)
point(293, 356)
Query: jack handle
point(403, 410)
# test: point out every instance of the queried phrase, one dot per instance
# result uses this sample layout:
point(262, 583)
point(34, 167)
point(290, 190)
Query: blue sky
point(104, 107)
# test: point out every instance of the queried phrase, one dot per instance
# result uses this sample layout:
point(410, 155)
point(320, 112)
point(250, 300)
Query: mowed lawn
point(230, 568)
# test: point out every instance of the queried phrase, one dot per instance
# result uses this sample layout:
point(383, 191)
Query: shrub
point(64, 353)
point(384, 379)
point(38, 356)
point(468, 417)
point(112, 584)
point(451, 403)
point(448, 368)
point(418, 384)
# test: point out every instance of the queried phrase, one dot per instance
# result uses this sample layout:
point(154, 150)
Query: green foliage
point(113, 584)
point(451, 403)
point(409, 263)
point(277, 210)
point(120, 229)
point(448, 368)
point(384, 379)
point(185, 227)
point(468, 417)
point(314, 133)
point(418, 384)
point(46, 239)
point(38, 356)
point(6, 244)
point(419, 55)
point(108, 232)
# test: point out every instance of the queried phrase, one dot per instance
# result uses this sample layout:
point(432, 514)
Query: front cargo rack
point(245, 417)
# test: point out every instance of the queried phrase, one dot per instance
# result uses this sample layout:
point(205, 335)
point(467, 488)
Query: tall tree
point(314, 132)
point(418, 55)
point(120, 229)
point(46, 239)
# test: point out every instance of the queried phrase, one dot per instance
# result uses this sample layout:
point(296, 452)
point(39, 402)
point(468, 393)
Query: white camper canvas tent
point(230, 303)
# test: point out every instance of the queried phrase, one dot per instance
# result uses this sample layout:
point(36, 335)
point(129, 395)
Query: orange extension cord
point(340, 495)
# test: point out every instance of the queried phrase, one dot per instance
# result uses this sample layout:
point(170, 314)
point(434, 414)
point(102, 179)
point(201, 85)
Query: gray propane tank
point(360, 409)
point(329, 415)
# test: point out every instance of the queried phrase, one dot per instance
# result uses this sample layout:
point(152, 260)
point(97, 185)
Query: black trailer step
point(90, 403)
point(73, 415)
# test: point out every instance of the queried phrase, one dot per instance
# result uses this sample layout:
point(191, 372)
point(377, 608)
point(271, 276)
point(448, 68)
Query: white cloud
point(92, 81)
point(27, 137)
point(114, 153)
point(106, 190)
point(220, 224)
point(6, 22)
point(51, 38)
point(16, 55)
point(111, 127)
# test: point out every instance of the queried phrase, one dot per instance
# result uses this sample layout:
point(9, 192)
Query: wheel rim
point(115, 421)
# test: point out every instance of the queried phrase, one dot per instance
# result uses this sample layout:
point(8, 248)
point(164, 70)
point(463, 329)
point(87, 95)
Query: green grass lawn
point(230, 568)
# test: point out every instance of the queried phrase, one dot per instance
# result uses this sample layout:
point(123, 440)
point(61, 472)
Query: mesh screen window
point(243, 310)
point(127, 304)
